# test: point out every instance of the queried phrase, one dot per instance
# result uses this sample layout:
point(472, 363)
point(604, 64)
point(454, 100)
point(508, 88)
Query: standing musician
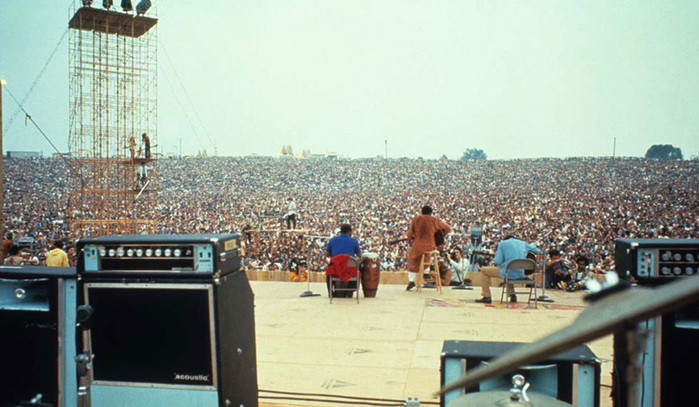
point(421, 235)
point(509, 249)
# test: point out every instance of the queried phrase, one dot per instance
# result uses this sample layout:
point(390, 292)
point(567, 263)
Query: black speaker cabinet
point(572, 376)
point(172, 342)
point(668, 359)
point(37, 335)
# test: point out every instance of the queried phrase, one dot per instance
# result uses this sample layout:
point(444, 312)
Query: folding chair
point(332, 281)
point(529, 267)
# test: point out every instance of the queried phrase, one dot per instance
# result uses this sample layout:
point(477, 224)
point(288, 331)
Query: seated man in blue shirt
point(343, 243)
point(509, 249)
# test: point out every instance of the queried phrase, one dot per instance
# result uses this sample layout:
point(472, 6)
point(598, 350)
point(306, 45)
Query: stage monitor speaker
point(165, 342)
point(669, 356)
point(37, 335)
point(572, 376)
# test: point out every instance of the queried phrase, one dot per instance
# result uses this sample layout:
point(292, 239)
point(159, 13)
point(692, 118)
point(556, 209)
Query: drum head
point(370, 255)
point(502, 399)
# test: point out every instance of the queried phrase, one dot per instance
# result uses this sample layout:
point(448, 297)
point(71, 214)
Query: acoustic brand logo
point(192, 377)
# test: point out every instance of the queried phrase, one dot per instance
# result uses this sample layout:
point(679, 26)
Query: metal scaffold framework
point(113, 122)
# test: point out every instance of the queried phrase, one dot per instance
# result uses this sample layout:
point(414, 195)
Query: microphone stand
point(543, 297)
point(472, 258)
point(308, 292)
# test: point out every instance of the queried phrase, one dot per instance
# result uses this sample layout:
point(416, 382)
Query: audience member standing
point(291, 214)
point(57, 257)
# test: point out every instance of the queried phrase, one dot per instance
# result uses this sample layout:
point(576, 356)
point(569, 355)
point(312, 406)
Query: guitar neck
point(402, 239)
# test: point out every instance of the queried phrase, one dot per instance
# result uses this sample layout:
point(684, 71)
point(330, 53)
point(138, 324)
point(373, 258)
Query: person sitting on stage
point(421, 235)
point(342, 244)
point(459, 266)
point(509, 249)
point(555, 269)
point(14, 258)
point(579, 277)
point(297, 268)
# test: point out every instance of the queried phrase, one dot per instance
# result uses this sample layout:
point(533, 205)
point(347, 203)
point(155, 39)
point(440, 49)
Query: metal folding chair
point(529, 267)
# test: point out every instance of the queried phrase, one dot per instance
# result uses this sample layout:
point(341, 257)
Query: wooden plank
point(111, 22)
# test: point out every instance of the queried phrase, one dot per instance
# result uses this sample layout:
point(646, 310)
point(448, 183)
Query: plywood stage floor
point(312, 353)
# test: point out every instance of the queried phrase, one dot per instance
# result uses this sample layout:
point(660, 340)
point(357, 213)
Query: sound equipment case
point(576, 376)
point(671, 338)
point(37, 335)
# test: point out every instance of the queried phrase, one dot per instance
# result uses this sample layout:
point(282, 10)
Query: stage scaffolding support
point(113, 65)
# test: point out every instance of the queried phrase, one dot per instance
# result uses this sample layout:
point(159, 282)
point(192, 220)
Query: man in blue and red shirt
point(342, 244)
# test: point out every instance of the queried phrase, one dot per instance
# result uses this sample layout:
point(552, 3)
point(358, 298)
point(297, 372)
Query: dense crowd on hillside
point(576, 205)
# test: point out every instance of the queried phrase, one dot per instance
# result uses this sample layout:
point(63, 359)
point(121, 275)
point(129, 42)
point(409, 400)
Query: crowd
point(578, 206)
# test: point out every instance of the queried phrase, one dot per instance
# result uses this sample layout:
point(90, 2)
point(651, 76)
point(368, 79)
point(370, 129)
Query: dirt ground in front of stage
point(312, 353)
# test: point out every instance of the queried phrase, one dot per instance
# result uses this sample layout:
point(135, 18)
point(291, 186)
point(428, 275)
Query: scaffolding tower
point(113, 121)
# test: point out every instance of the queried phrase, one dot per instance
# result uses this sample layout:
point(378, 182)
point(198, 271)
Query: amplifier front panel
point(667, 262)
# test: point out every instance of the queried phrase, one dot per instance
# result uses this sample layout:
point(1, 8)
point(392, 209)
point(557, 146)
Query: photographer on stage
point(459, 266)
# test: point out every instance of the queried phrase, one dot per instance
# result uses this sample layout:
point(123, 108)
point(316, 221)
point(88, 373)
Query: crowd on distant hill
point(579, 206)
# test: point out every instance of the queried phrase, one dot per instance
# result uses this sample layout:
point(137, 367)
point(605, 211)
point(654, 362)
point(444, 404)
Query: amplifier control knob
point(20, 293)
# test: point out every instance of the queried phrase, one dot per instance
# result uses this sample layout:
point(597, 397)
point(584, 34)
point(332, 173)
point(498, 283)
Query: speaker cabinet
point(37, 335)
point(669, 355)
point(572, 376)
point(174, 343)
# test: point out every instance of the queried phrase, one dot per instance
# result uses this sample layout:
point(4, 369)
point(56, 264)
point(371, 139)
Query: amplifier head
point(657, 260)
point(181, 255)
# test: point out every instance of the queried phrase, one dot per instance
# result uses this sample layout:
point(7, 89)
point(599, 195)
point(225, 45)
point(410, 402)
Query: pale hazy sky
point(518, 79)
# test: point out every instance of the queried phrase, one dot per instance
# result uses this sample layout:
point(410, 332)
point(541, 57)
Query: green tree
point(474, 154)
point(664, 152)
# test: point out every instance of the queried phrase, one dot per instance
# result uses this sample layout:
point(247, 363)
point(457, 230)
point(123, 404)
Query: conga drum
point(370, 274)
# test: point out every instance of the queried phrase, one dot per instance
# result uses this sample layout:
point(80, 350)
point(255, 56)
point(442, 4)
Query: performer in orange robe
point(421, 235)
